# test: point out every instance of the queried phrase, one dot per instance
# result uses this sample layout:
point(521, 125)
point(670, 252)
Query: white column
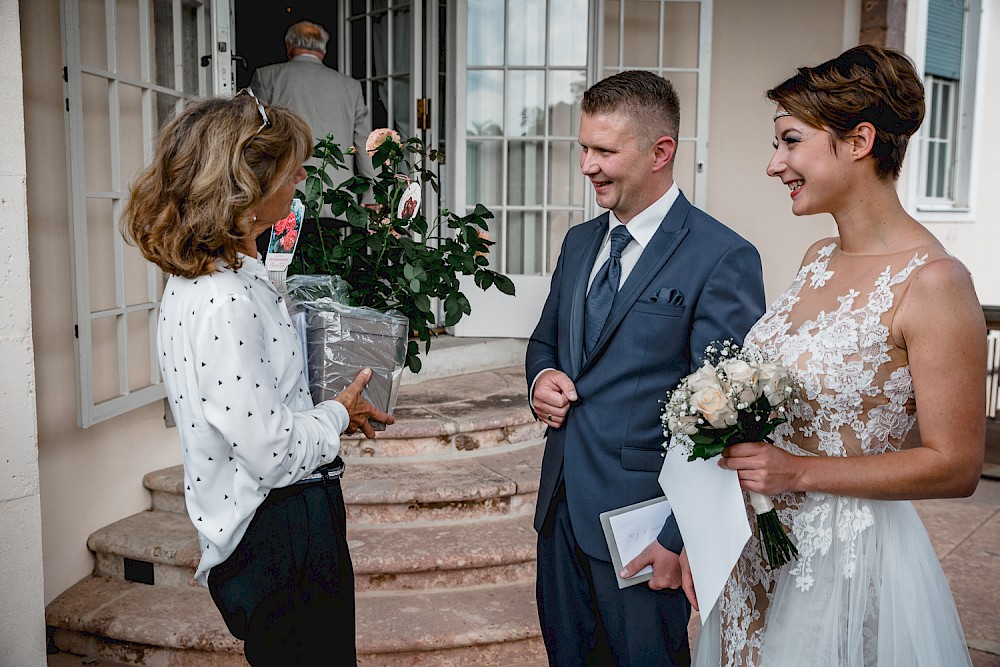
point(22, 638)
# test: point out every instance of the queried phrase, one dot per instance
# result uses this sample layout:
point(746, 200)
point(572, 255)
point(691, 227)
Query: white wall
point(88, 477)
point(22, 624)
point(757, 45)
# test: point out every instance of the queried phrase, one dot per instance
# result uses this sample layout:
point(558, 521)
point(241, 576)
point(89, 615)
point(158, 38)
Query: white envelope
point(712, 517)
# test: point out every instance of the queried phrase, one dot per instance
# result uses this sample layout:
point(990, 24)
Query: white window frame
point(90, 411)
point(970, 116)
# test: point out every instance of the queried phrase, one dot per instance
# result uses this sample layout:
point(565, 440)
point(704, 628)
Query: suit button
point(663, 455)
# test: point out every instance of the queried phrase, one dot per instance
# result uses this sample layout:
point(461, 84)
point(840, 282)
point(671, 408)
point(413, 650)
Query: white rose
point(772, 380)
point(738, 371)
point(715, 405)
point(702, 378)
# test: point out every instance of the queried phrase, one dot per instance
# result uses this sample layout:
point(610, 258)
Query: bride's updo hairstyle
point(213, 164)
point(864, 84)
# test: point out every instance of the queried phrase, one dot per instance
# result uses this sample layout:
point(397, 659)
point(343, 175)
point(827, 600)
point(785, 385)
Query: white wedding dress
point(867, 588)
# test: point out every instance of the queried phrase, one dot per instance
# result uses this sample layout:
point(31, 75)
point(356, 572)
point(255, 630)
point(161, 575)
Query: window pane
point(402, 105)
point(93, 49)
point(485, 103)
point(191, 49)
point(127, 40)
point(96, 133)
point(380, 45)
point(358, 52)
point(378, 105)
point(524, 242)
point(680, 34)
point(568, 36)
point(104, 333)
point(686, 85)
point(525, 100)
point(130, 133)
point(102, 234)
point(486, 20)
point(482, 160)
point(401, 33)
point(163, 42)
point(526, 33)
point(566, 183)
point(611, 32)
point(559, 224)
point(565, 93)
point(684, 168)
point(139, 343)
point(525, 173)
point(642, 23)
point(931, 161)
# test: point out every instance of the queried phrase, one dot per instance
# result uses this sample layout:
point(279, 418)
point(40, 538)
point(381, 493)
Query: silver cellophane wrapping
point(341, 340)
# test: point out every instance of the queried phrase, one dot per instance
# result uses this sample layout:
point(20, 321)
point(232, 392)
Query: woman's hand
point(763, 468)
point(359, 409)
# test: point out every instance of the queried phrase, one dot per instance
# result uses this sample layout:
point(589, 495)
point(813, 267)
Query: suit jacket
point(696, 282)
point(330, 102)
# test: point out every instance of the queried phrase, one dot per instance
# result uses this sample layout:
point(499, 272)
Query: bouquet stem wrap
point(775, 547)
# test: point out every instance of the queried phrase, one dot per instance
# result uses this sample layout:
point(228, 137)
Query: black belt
point(325, 473)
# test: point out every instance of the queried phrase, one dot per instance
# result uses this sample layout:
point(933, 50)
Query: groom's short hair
point(649, 99)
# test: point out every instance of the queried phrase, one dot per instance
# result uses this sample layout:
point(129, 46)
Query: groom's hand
point(666, 566)
point(554, 392)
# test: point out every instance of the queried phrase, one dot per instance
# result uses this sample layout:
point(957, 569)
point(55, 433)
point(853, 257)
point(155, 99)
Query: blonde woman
point(261, 470)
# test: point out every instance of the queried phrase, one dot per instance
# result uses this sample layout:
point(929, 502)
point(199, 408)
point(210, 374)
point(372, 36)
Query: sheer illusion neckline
point(891, 253)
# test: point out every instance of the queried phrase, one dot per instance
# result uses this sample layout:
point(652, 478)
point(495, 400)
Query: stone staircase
point(439, 524)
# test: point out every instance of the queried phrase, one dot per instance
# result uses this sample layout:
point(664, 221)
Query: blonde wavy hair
point(188, 210)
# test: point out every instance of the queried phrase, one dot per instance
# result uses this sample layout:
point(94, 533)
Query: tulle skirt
point(867, 591)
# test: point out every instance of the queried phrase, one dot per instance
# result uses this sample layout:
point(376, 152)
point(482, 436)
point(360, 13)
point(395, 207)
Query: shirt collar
point(646, 222)
point(308, 56)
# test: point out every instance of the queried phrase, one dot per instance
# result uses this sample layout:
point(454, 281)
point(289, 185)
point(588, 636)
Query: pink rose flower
point(379, 137)
point(288, 242)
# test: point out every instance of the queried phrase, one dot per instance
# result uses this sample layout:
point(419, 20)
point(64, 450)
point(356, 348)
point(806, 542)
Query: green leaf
point(408, 272)
point(414, 285)
point(503, 283)
point(357, 216)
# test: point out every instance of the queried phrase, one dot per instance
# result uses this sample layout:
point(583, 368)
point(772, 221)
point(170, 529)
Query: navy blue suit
point(696, 282)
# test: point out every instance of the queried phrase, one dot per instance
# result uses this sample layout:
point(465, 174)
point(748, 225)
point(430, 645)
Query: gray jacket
point(328, 100)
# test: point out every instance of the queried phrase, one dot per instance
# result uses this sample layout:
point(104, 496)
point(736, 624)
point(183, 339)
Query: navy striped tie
point(603, 289)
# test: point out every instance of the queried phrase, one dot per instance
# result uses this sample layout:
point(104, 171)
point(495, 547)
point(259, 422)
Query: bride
point(881, 325)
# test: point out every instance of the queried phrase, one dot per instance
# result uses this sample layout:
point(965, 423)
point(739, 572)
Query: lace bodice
point(834, 329)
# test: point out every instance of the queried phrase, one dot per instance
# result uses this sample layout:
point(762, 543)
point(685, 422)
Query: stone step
point(385, 557)
point(136, 624)
point(454, 415)
point(501, 481)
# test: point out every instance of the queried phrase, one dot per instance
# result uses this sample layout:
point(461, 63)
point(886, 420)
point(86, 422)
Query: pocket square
point(669, 295)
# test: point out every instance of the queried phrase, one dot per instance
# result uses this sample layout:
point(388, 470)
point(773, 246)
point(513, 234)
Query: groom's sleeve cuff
point(670, 536)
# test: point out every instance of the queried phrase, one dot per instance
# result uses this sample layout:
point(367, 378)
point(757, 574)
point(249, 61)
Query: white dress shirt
point(233, 369)
point(641, 227)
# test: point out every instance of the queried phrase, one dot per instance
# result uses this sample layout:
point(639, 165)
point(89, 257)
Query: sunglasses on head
point(260, 108)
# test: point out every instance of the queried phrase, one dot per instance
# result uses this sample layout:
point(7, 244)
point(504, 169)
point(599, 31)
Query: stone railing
point(992, 314)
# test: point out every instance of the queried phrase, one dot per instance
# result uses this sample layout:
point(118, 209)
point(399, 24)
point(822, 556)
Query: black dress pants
point(288, 589)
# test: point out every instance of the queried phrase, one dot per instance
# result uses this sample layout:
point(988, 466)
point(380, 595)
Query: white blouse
point(233, 369)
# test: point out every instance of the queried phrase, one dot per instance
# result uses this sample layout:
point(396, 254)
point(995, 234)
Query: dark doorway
point(260, 32)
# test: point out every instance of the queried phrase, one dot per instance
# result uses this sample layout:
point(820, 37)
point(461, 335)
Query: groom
point(636, 296)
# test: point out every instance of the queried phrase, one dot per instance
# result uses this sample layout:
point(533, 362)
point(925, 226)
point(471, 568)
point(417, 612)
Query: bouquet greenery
point(736, 396)
point(389, 253)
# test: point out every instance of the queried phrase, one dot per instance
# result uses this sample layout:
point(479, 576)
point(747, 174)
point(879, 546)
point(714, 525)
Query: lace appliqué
point(837, 357)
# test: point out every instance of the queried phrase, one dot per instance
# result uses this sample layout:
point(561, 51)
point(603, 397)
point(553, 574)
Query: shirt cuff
point(531, 391)
point(341, 415)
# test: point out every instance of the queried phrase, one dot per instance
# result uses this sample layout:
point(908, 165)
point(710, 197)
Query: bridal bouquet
point(736, 396)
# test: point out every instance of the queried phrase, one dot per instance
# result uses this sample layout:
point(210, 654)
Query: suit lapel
point(580, 293)
point(663, 244)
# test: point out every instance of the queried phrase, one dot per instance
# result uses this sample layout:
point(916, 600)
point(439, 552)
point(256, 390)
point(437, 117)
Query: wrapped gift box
point(340, 340)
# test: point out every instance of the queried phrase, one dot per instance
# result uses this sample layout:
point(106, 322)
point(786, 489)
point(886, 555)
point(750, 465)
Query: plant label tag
point(409, 203)
point(284, 238)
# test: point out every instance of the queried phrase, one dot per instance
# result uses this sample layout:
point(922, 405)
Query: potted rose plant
point(392, 256)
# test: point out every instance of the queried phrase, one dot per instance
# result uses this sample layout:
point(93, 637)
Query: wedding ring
point(550, 416)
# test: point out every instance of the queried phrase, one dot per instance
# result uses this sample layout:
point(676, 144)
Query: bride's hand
point(763, 468)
